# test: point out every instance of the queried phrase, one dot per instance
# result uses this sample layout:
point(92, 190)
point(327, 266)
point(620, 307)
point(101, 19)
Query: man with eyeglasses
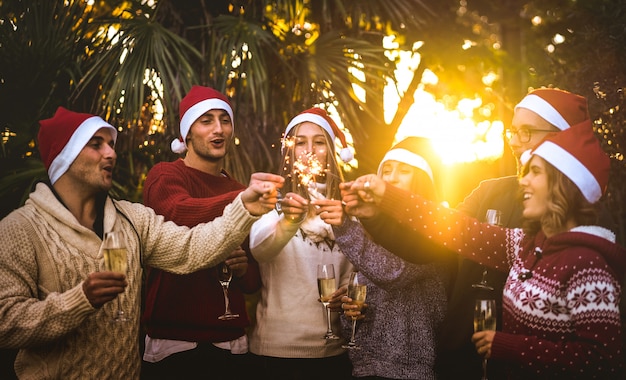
point(541, 112)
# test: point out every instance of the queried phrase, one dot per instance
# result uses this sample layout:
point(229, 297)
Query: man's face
point(209, 136)
point(93, 167)
point(535, 125)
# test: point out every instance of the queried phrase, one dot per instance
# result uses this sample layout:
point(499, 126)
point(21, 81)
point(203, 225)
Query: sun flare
point(455, 135)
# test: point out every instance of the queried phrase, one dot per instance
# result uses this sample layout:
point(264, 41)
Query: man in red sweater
point(185, 338)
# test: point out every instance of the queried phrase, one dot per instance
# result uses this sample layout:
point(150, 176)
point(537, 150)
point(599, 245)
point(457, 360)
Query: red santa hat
point(321, 118)
point(576, 152)
point(410, 151)
point(62, 137)
point(559, 108)
point(199, 100)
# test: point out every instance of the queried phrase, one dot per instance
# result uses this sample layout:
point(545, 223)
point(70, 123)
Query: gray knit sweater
point(45, 257)
point(406, 304)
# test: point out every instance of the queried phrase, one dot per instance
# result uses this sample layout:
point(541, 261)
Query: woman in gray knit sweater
point(406, 302)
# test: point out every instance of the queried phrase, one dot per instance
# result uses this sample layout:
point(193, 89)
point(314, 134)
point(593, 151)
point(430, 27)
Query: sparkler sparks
point(308, 168)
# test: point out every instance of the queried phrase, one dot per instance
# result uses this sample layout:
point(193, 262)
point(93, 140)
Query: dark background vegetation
point(276, 58)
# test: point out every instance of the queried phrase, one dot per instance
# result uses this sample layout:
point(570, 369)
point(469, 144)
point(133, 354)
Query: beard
point(205, 151)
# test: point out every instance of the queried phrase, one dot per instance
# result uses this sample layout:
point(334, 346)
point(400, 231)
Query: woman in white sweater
point(287, 338)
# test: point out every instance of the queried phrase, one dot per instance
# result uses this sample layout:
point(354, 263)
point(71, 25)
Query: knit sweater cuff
point(344, 227)
point(392, 198)
point(76, 301)
point(241, 214)
point(507, 346)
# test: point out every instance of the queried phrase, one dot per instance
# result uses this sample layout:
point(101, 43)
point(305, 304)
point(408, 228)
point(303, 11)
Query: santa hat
point(62, 137)
point(410, 151)
point(559, 108)
point(199, 100)
point(319, 117)
point(576, 152)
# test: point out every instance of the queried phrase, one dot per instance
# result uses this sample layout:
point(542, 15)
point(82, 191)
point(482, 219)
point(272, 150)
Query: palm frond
point(139, 46)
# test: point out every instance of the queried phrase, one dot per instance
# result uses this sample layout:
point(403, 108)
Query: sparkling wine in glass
point(357, 291)
point(327, 285)
point(493, 217)
point(115, 260)
point(485, 320)
point(225, 275)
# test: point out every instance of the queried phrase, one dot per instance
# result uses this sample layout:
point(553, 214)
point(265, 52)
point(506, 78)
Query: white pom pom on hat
point(320, 117)
point(199, 100)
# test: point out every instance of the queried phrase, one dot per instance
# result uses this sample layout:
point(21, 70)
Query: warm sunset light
point(455, 135)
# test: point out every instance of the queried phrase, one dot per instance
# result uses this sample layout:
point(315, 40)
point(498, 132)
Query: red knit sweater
point(561, 322)
point(186, 307)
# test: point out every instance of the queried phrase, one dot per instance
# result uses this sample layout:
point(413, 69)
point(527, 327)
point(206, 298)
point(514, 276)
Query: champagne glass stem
point(484, 369)
point(120, 312)
point(352, 339)
point(226, 300)
point(329, 331)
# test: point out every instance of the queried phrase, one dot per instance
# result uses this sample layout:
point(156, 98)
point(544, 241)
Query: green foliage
point(276, 58)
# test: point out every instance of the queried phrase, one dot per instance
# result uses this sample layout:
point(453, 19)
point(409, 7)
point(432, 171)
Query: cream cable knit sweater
point(44, 258)
point(290, 321)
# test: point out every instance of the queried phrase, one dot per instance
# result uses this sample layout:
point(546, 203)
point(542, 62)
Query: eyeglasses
point(523, 133)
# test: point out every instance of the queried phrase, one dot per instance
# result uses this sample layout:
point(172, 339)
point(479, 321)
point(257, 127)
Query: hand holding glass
point(485, 320)
point(357, 291)
point(225, 275)
point(115, 260)
point(327, 285)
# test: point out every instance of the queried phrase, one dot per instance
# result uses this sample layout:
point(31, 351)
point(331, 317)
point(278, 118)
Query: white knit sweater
point(290, 321)
point(45, 257)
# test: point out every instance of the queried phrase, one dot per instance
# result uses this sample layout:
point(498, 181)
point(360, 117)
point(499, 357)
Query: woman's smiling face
point(535, 189)
point(311, 138)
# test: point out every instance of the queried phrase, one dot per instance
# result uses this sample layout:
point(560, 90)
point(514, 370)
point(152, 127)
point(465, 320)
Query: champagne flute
point(327, 285)
point(493, 217)
point(357, 291)
point(225, 275)
point(485, 320)
point(115, 260)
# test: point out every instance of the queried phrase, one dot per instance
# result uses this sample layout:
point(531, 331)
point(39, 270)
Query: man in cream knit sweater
point(55, 296)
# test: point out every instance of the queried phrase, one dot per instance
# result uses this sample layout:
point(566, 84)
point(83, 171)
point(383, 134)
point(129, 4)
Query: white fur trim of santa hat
point(577, 153)
point(199, 100)
point(315, 116)
point(558, 107)
point(75, 145)
point(409, 158)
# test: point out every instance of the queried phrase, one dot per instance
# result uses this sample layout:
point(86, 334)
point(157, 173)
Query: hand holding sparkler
point(330, 210)
point(294, 207)
point(354, 204)
point(370, 188)
point(262, 193)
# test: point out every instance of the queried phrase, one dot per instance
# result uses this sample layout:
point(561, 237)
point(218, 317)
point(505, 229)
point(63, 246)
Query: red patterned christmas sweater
point(561, 316)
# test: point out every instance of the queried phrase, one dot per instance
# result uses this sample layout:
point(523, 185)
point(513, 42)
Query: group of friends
point(553, 266)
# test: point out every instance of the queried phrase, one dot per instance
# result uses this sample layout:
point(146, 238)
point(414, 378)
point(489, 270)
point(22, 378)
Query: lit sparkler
point(308, 168)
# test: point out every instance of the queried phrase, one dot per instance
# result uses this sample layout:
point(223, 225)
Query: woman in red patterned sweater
point(561, 316)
